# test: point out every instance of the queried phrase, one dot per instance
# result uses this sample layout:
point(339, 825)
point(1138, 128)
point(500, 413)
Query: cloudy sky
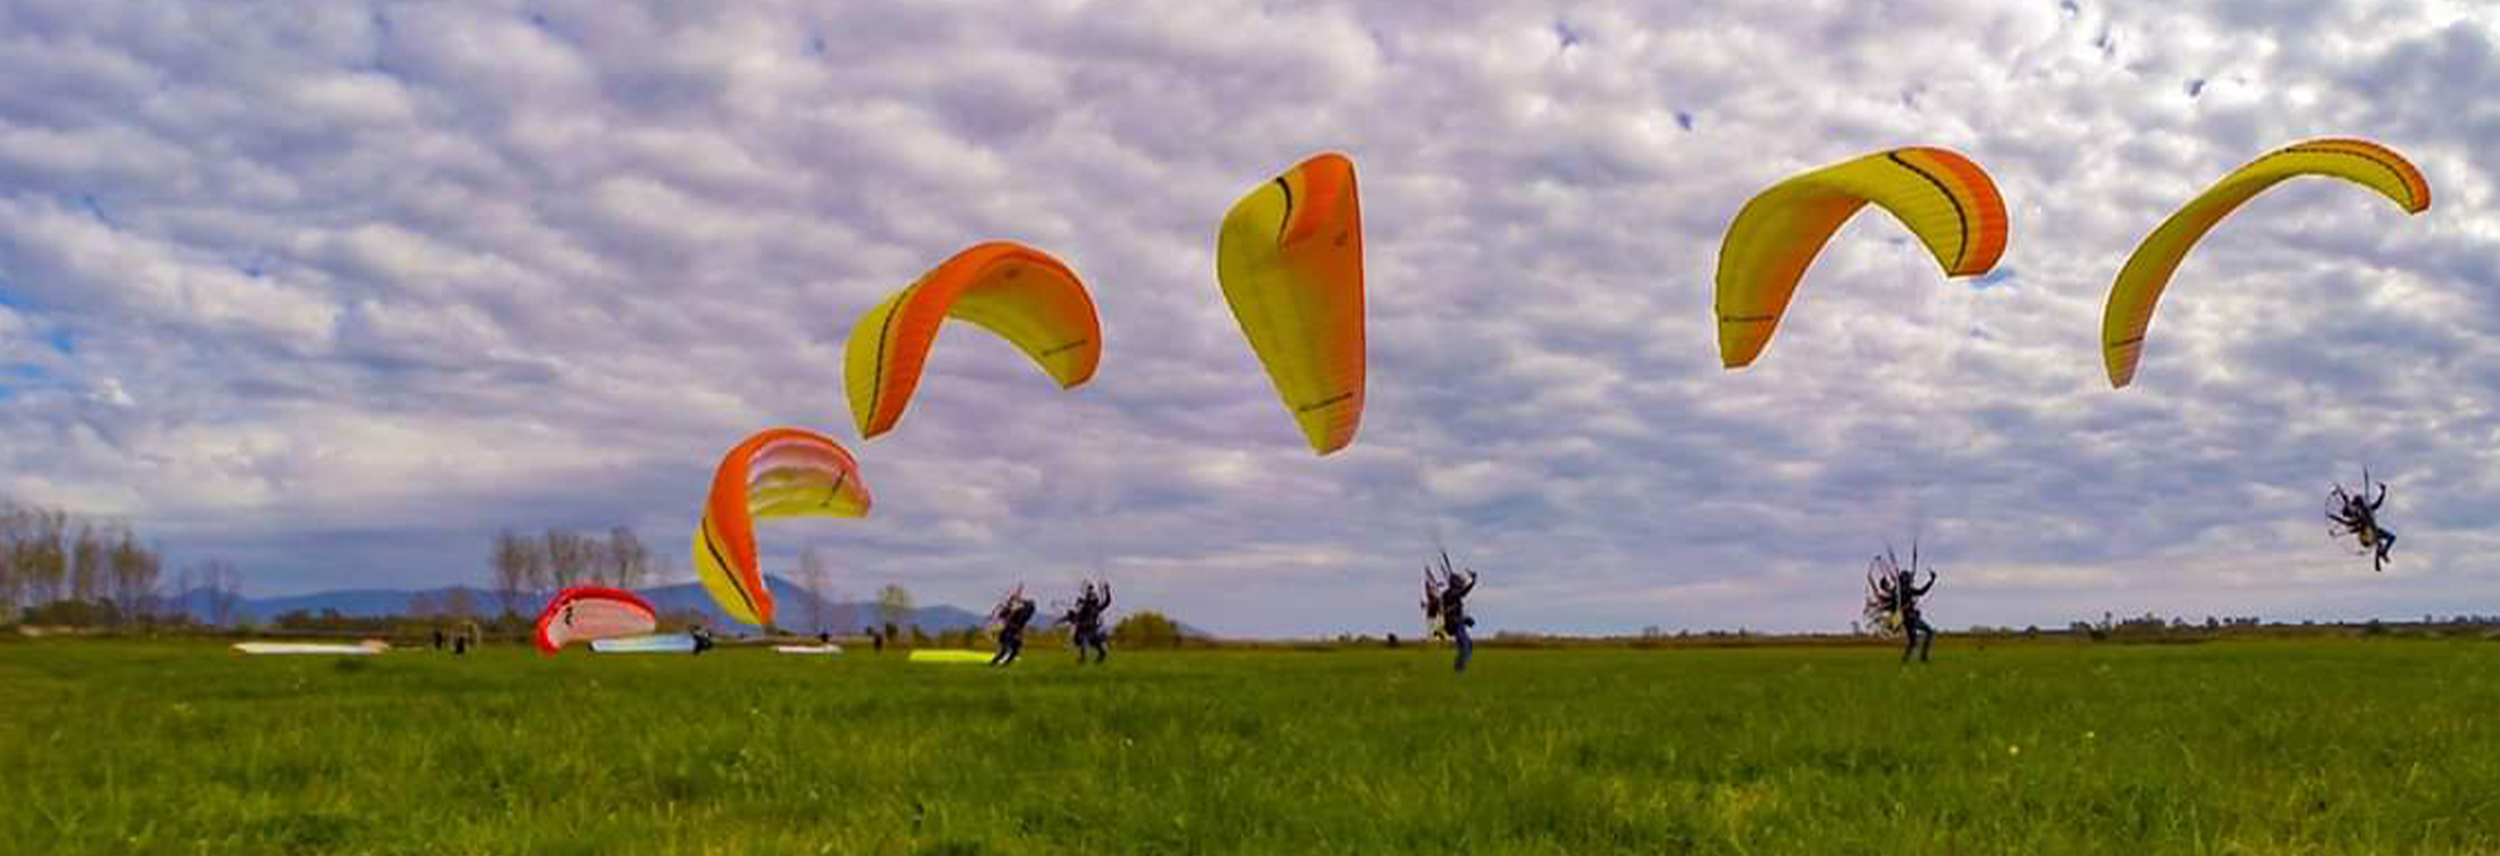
point(335, 290)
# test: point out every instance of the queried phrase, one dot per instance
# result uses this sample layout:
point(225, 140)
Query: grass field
point(2356, 746)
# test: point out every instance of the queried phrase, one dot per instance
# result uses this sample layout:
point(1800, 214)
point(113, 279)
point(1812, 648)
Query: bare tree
point(629, 561)
point(512, 568)
point(593, 559)
point(185, 584)
point(893, 604)
point(86, 564)
point(591, 556)
point(457, 603)
point(229, 594)
point(658, 569)
point(135, 569)
point(844, 611)
point(534, 564)
point(567, 564)
point(47, 559)
point(817, 579)
point(421, 605)
point(222, 586)
point(12, 543)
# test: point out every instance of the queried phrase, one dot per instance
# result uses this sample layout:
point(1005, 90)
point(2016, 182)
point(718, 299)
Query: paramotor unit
point(2354, 515)
point(1432, 601)
point(1440, 611)
point(1883, 609)
point(1006, 606)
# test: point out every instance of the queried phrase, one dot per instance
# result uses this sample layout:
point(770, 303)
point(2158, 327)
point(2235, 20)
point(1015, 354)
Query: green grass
point(2357, 746)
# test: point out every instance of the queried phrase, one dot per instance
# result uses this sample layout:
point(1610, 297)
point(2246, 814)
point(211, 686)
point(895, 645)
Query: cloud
point(349, 288)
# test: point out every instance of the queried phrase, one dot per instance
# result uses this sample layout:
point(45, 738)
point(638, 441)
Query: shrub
point(1148, 629)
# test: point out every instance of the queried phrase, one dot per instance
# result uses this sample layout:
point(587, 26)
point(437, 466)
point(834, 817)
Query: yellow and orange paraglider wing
point(1290, 260)
point(1944, 199)
point(1021, 294)
point(779, 472)
point(2139, 286)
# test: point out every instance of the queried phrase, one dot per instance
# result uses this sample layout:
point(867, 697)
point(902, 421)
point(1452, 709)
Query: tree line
point(62, 568)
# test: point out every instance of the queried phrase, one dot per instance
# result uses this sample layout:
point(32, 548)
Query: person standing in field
point(1087, 617)
point(1012, 616)
point(877, 639)
point(1454, 618)
point(1914, 627)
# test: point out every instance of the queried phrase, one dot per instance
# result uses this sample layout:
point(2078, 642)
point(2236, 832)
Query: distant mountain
point(791, 605)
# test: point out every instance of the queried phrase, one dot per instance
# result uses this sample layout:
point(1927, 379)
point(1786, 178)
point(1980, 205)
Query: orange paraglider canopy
point(1017, 292)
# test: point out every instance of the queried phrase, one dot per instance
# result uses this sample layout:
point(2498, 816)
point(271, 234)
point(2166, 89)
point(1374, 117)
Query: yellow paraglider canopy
point(1290, 260)
point(2139, 286)
point(1945, 199)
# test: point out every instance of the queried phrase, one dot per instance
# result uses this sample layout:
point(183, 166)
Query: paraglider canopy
point(1942, 197)
point(1022, 294)
point(2139, 286)
point(590, 613)
point(1290, 260)
point(778, 472)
